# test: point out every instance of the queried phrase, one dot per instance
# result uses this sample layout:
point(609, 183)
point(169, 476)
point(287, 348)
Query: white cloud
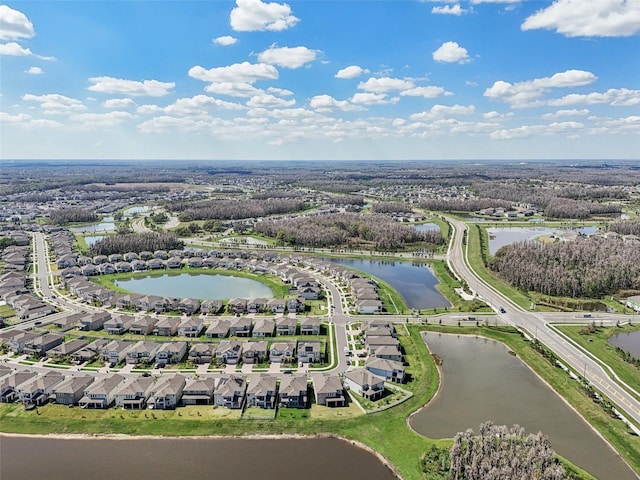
point(244, 72)
point(54, 103)
point(425, 92)
point(351, 71)
point(326, 103)
point(255, 15)
point(288, 57)
point(199, 104)
point(476, 2)
point(145, 88)
point(14, 24)
point(372, 99)
point(19, 118)
point(617, 97)
point(449, 10)
point(34, 71)
point(118, 103)
point(527, 93)
point(440, 111)
point(12, 49)
point(493, 115)
point(243, 90)
point(451, 52)
point(90, 120)
point(593, 18)
point(565, 113)
point(269, 101)
point(385, 84)
point(280, 91)
point(225, 40)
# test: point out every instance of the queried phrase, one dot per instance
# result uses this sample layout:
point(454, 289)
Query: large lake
point(415, 282)
point(481, 382)
point(203, 286)
point(182, 459)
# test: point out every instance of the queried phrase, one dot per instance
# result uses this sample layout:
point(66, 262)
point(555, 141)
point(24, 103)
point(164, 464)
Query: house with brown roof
point(202, 353)
point(263, 327)
point(286, 326)
point(142, 352)
point(254, 352)
point(309, 351)
point(167, 327)
point(171, 352)
point(134, 392)
point(218, 329)
point(191, 327)
point(240, 327)
point(229, 352)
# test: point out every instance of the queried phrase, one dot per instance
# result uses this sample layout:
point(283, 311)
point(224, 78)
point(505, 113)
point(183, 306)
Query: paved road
point(537, 325)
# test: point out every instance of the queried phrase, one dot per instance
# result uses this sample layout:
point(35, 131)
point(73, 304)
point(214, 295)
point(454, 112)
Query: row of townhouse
point(190, 327)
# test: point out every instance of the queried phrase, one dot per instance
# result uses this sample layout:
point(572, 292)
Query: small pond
point(482, 382)
point(426, 227)
point(138, 209)
point(243, 241)
point(91, 239)
point(202, 286)
point(103, 226)
point(415, 282)
point(627, 341)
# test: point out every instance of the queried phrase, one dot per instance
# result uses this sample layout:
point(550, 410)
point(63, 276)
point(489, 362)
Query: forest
point(589, 267)
point(375, 231)
point(136, 242)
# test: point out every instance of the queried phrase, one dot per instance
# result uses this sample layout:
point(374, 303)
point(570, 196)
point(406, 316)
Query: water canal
point(177, 459)
point(202, 286)
point(482, 382)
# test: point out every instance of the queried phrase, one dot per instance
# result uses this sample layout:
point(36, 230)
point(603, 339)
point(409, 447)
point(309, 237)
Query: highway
point(537, 326)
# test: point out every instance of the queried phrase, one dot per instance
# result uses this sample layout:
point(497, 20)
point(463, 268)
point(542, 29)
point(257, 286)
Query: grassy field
point(597, 342)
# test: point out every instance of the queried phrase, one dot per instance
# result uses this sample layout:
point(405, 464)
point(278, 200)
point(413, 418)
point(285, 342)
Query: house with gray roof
point(240, 327)
point(218, 329)
point(282, 352)
point(134, 392)
point(39, 346)
point(262, 391)
point(167, 327)
point(71, 390)
point(37, 390)
point(202, 353)
point(191, 327)
point(254, 352)
point(229, 351)
point(309, 351)
point(328, 390)
point(167, 392)
point(388, 369)
point(230, 392)
point(310, 326)
point(286, 326)
point(293, 391)
point(101, 393)
point(198, 391)
point(66, 349)
point(142, 352)
point(171, 352)
point(9, 384)
point(365, 383)
point(143, 325)
point(118, 324)
point(263, 327)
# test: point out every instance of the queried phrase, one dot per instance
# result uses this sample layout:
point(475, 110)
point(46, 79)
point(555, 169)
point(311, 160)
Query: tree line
point(590, 267)
point(391, 207)
point(626, 227)
point(136, 242)
point(235, 209)
point(64, 216)
point(464, 204)
point(346, 229)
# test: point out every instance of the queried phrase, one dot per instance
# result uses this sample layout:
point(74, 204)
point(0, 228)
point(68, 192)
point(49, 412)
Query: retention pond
point(482, 382)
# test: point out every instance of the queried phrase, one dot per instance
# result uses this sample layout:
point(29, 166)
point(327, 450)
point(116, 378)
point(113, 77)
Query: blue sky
point(320, 79)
